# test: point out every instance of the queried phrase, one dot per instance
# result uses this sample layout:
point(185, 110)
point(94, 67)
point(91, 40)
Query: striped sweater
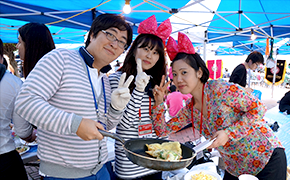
point(128, 128)
point(55, 97)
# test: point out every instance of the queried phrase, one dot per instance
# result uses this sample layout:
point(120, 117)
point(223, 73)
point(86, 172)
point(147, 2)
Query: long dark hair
point(105, 21)
point(195, 61)
point(159, 69)
point(38, 42)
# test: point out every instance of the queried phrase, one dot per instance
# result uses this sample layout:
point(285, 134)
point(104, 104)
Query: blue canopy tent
point(69, 20)
point(8, 33)
point(282, 47)
point(233, 21)
point(260, 45)
point(204, 21)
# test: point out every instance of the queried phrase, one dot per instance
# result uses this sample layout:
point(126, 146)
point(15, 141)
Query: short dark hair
point(256, 57)
point(195, 61)
point(105, 21)
point(38, 42)
point(172, 88)
point(129, 64)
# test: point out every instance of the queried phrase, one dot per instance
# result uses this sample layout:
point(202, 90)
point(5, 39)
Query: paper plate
point(188, 176)
point(22, 149)
point(203, 145)
point(34, 143)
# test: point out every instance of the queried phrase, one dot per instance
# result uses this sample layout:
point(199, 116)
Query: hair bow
point(184, 45)
point(149, 26)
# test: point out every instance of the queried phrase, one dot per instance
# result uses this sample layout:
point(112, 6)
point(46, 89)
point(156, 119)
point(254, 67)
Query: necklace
point(201, 113)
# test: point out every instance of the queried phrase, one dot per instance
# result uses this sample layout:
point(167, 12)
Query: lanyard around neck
point(92, 87)
point(104, 93)
point(149, 109)
point(201, 113)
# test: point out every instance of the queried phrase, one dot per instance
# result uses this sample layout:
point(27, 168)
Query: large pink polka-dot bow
point(184, 45)
point(149, 26)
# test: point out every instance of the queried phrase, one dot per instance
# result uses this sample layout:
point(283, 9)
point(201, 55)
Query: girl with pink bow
point(221, 110)
point(146, 61)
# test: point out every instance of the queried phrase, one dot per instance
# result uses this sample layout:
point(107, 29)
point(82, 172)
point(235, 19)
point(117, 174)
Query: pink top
point(175, 102)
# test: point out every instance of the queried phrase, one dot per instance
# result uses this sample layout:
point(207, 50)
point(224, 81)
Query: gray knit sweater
point(55, 97)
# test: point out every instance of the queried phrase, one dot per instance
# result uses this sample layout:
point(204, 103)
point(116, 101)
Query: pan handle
point(112, 135)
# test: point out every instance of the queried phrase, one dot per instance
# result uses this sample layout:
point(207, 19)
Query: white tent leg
point(204, 51)
point(274, 75)
point(204, 46)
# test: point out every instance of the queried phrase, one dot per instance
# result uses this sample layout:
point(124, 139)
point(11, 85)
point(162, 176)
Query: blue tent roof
point(210, 21)
point(69, 20)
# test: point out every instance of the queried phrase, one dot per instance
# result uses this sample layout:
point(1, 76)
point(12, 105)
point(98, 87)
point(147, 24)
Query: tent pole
point(204, 46)
point(274, 76)
point(204, 51)
point(249, 71)
point(215, 69)
point(240, 11)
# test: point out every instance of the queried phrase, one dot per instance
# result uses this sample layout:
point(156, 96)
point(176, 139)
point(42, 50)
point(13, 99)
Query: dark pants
point(275, 169)
point(155, 176)
point(11, 166)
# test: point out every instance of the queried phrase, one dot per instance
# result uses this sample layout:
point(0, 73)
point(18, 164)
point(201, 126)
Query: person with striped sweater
point(146, 61)
point(68, 97)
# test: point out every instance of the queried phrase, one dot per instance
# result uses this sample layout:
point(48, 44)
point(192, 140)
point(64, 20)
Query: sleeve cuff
point(76, 123)
point(230, 134)
point(115, 111)
point(159, 107)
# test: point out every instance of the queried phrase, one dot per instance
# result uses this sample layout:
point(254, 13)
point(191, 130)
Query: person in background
point(117, 65)
point(34, 41)
point(68, 97)
point(8, 52)
point(10, 68)
point(226, 73)
point(145, 59)
point(287, 77)
point(222, 111)
point(175, 100)
point(284, 104)
point(11, 165)
point(239, 74)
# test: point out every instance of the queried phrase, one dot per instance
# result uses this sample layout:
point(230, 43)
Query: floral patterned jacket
point(240, 114)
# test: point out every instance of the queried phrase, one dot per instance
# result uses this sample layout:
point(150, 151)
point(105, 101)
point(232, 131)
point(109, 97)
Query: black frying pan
point(135, 151)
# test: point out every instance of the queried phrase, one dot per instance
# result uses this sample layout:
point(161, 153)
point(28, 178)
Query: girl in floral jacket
point(224, 111)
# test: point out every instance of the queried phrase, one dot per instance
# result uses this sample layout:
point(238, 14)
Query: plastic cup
point(247, 177)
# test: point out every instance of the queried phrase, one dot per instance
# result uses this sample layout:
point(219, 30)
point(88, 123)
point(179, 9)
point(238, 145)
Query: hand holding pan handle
point(112, 135)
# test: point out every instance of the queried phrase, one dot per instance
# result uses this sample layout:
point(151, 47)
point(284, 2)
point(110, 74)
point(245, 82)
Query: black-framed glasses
point(112, 37)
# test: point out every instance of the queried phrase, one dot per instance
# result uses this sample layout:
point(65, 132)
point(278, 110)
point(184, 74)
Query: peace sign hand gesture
point(142, 78)
point(159, 91)
point(121, 96)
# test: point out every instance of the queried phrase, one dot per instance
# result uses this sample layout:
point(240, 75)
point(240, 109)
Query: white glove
point(121, 96)
point(142, 78)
